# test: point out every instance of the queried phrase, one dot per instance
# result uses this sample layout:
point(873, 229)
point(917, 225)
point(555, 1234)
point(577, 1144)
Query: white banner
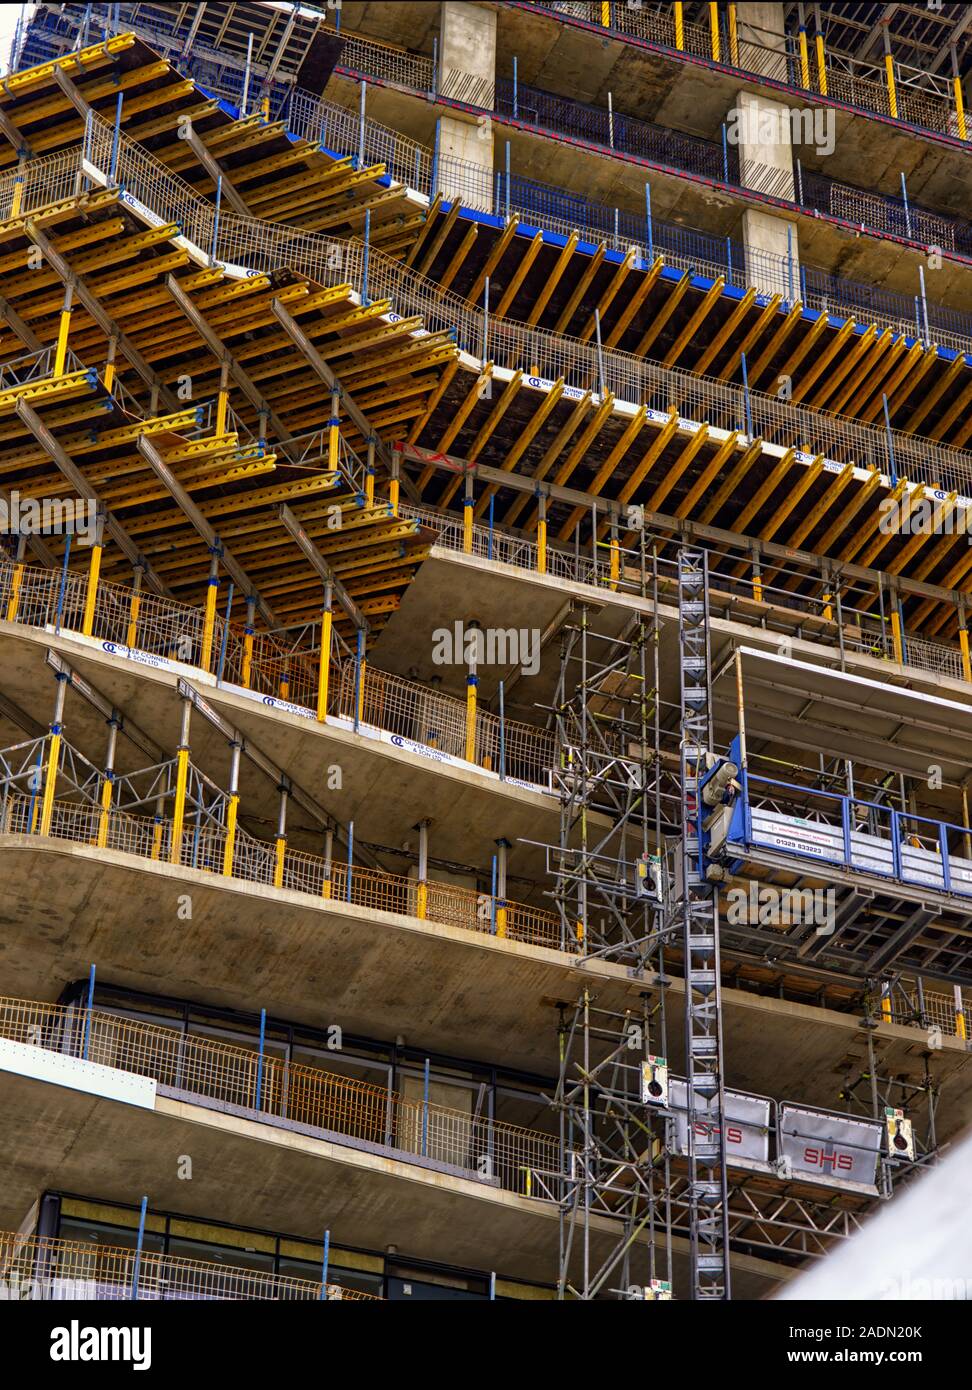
point(746, 1124)
point(830, 1146)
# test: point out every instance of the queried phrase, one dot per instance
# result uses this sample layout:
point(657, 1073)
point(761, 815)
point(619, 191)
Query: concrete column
point(762, 42)
point(467, 72)
point(761, 132)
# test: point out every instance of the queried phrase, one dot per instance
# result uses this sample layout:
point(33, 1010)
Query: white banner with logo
point(746, 1124)
point(830, 1146)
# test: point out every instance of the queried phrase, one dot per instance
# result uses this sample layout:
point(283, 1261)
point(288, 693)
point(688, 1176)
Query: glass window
point(347, 1278)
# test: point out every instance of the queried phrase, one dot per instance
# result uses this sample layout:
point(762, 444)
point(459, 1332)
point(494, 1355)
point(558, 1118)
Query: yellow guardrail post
point(886, 1002)
point(614, 557)
point(360, 671)
point(472, 681)
point(961, 1027)
point(324, 660)
point(108, 783)
point(370, 473)
point(110, 370)
point(963, 634)
point(959, 108)
point(502, 846)
point(679, 26)
point(467, 516)
point(328, 862)
point(280, 847)
point(606, 14)
point(714, 31)
point(94, 570)
point(733, 37)
point(394, 485)
point(182, 775)
point(222, 399)
point(542, 534)
point(889, 73)
point(248, 643)
point(209, 618)
point(896, 631)
point(232, 805)
point(804, 60)
point(135, 603)
point(18, 192)
point(53, 755)
point(422, 894)
point(158, 821)
point(821, 65)
point(333, 432)
point(64, 326)
point(16, 579)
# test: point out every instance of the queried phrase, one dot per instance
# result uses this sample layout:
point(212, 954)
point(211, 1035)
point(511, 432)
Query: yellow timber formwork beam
point(903, 376)
point(729, 484)
point(765, 490)
point(801, 348)
point(647, 462)
point(752, 337)
point(95, 55)
point(846, 515)
point(872, 385)
point(580, 289)
point(577, 452)
point(606, 470)
point(525, 438)
point(931, 399)
point(664, 314)
point(866, 529)
point(881, 539)
point(843, 368)
point(786, 505)
point(419, 242)
point(635, 301)
point(567, 430)
point(490, 424)
point(952, 579)
point(438, 241)
point(459, 259)
point(607, 298)
point(695, 321)
point(903, 391)
point(519, 275)
point(725, 333)
point(941, 516)
point(481, 384)
point(956, 410)
point(497, 252)
point(674, 473)
point(759, 365)
point(553, 279)
point(863, 368)
point(708, 475)
point(809, 523)
point(817, 369)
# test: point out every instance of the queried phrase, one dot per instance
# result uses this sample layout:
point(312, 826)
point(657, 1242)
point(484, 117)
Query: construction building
point(484, 658)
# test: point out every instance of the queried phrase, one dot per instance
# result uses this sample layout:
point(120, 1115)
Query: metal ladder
point(708, 1204)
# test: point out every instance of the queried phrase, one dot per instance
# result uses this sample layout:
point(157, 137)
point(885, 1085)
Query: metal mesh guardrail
point(53, 1269)
point(848, 80)
point(415, 165)
point(511, 344)
point(489, 1150)
point(256, 861)
point(166, 628)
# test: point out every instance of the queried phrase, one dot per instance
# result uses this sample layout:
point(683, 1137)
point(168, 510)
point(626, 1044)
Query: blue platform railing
point(503, 193)
point(858, 835)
